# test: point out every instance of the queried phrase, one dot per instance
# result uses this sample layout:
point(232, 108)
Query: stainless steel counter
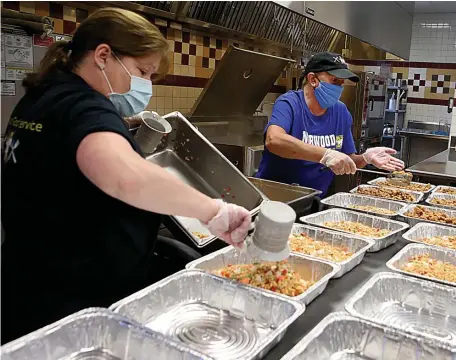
point(424, 135)
point(442, 165)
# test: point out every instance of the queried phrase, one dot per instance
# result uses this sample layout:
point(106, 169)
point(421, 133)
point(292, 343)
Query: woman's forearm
point(359, 160)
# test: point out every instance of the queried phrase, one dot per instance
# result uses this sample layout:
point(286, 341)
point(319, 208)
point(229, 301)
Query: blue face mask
point(133, 101)
point(327, 94)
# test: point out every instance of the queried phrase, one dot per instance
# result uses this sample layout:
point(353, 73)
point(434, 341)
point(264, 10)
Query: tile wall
point(193, 55)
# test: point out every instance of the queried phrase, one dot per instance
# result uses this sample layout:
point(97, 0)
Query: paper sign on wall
point(16, 74)
point(8, 88)
point(18, 51)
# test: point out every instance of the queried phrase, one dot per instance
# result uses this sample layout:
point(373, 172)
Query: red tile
point(185, 59)
point(81, 15)
point(68, 27)
point(12, 5)
point(55, 10)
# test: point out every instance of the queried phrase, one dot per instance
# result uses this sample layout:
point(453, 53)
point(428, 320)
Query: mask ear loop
point(120, 62)
point(101, 66)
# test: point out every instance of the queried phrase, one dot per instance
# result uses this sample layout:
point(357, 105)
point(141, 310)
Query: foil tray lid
point(239, 84)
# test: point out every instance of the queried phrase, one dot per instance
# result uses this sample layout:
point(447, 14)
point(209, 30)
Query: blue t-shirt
point(331, 130)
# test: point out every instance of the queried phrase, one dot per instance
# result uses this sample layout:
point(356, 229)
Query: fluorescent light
point(435, 25)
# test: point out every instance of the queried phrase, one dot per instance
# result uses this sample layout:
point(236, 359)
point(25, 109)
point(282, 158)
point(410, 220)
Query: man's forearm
point(289, 147)
point(359, 160)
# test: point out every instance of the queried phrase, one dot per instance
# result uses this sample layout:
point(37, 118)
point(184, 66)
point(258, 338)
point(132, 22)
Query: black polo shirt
point(68, 244)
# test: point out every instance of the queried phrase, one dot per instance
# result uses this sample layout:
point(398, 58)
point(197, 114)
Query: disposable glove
point(338, 162)
point(382, 159)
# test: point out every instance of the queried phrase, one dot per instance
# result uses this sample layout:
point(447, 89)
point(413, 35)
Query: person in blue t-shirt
point(310, 129)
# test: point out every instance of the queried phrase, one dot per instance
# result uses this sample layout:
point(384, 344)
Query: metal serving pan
point(356, 245)
point(418, 196)
point(427, 230)
point(413, 221)
point(298, 197)
point(320, 271)
point(422, 308)
point(376, 182)
point(97, 334)
point(347, 200)
point(186, 153)
point(396, 227)
point(441, 197)
point(411, 250)
point(215, 316)
point(438, 189)
point(342, 336)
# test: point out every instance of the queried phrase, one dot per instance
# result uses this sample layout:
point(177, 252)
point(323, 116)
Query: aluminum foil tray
point(413, 221)
point(347, 200)
point(427, 230)
point(356, 245)
point(438, 189)
point(396, 227)
point(96, 334)
point(411, 250)
point(421, 308)
point(376, 181)
point(441, 197)
point(342, 336)
point(215, 316)
point(418, 196)
point(309, 268)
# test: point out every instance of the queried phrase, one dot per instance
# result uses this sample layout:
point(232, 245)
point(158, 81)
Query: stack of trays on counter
point(217, 317)
point(311, 269)
point(380, 180)
point(417, 195)
point(424, 309)
point(396, 228)
point(424, 230)
point(442, 189)
point(343, 336)
point(348, 201)
point(415, 220)
point(97, 334)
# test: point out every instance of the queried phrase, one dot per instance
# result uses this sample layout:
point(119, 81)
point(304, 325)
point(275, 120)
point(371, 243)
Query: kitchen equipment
point(298, 197)
point(356, 245)
point(426, 230)
point(218, 317)
point(396, 228)
point(151, 131)
point(388, 129)
point(348, 201)
point(413, 221)
point(316, 270)
point(398, 261)
point(273, 226)
point(97, 334)
point(343, 336)
point(187, 154)
point(418, 307)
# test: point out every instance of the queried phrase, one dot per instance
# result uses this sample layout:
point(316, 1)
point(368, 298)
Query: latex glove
point(382, 159)
point(231, 223)
point(338, 162)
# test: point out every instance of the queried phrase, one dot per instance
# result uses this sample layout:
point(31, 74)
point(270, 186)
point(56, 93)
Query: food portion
point(451, 191)
point(357, 228)
point(403, 174)
point(386, 193)
point(421, 212)
point(443, 241)
point(445, 202)
point(426, 266)
point(304, 244)
point(200, 235)
point(373, 209)
point(277, 276)
point(411, 186)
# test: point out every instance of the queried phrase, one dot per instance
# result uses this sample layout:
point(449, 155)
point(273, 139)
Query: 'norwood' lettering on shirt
point(27, 125)
point(326, 141)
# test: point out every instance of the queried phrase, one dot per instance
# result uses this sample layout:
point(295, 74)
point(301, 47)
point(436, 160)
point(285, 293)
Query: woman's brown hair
point(127, 33)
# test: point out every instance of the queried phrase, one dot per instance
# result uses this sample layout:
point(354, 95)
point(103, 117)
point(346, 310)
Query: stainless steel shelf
point(395, 111)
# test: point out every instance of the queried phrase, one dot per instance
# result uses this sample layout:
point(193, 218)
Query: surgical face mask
point(134, 100)
point(327, 94)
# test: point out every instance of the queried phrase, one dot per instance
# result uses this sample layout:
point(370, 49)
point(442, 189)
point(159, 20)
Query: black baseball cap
point(331, 63)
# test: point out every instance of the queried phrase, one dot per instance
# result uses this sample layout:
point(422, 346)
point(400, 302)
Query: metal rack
point(400, 92)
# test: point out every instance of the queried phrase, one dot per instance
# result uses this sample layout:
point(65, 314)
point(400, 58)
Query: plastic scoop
point(269, 241)
point(400, 178)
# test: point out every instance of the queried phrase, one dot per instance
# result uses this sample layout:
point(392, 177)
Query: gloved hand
point(382, 159)
point(231, 223)
point(338, 162)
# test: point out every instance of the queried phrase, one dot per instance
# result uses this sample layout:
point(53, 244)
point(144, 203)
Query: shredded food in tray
point(200, 235)
point(412, 186)
point(303, 243)
point(357, 228)
point(276, 276)
point(426, 266)
point(386, 193)
point(421, 212)
point(445, 202)
point(443, 241)
point(373, 209)
point(446, 191)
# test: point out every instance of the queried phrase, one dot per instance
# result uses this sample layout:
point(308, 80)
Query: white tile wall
point(428, 113)
point(434, 38)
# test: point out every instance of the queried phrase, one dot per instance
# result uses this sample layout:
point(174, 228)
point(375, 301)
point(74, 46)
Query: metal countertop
point(334, 298)
point(424, 135)
point(441, 165)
